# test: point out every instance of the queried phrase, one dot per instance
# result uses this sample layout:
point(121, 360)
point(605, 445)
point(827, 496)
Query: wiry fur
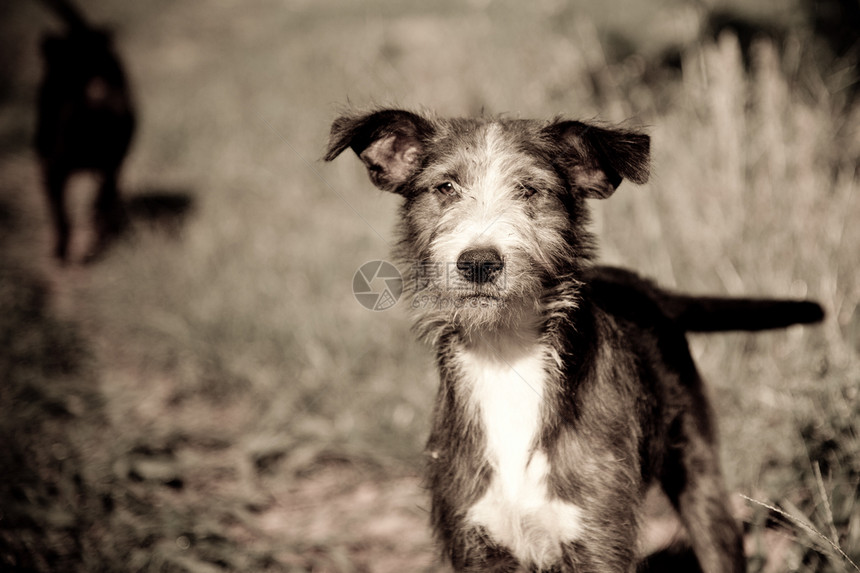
point(565, 389)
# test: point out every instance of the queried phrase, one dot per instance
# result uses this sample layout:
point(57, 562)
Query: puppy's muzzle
point(481, 265)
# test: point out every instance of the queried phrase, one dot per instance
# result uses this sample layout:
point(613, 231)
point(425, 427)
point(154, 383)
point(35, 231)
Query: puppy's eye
point(446, 189)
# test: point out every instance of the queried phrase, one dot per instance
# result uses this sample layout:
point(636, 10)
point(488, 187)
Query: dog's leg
point(580, 556)
point(108, 213)
point(693, 482)
point(55, 187)
point(471, 552)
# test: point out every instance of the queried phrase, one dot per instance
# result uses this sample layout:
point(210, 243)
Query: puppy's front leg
point(471, 551)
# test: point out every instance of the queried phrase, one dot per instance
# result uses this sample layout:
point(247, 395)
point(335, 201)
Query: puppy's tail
point(717, 314)
point(626, 294)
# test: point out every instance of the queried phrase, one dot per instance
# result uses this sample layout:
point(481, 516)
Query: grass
point(214, 399)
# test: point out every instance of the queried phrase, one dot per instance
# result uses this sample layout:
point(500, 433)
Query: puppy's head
point(494, 213)
point(81, 63)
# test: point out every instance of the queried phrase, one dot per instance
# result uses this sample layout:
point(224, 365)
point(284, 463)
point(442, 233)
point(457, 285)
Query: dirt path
point(108, 468)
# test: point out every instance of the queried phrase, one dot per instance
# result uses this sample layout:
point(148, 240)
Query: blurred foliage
point(43, 365)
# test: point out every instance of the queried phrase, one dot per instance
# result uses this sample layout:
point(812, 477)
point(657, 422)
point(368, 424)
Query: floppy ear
point(390, 143)
point(597, 159)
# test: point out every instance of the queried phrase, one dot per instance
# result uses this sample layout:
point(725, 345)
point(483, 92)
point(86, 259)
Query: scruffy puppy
point(85, 122)
point(565, 389)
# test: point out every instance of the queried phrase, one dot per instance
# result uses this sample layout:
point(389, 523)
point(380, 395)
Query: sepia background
point(210, 396)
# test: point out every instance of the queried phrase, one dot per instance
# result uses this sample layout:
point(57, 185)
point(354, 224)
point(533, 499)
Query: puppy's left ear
point(597, 159)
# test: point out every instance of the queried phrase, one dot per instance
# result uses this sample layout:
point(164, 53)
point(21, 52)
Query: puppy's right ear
point(390, 143)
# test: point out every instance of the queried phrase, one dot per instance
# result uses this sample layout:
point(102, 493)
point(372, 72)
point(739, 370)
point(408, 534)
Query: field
point(211, 397)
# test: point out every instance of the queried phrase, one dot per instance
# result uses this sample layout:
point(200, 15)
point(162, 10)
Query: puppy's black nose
point(480, 265)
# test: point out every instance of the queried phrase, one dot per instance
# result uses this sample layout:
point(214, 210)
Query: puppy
point(85, 122)
point(566, 389)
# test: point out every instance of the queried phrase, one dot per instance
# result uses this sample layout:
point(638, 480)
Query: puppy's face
point(494, 210)
point(486, 220)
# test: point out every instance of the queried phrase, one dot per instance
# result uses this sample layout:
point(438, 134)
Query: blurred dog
point(567, 389)
point(85, 122)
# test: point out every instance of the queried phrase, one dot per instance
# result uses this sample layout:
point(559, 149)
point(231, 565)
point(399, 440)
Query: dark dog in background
point(85, 122)
point(566, 389)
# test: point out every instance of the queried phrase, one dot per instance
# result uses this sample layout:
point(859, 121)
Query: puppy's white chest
point(506, 391)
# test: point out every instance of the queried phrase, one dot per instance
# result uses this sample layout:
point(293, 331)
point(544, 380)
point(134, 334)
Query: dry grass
point(215, 399)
